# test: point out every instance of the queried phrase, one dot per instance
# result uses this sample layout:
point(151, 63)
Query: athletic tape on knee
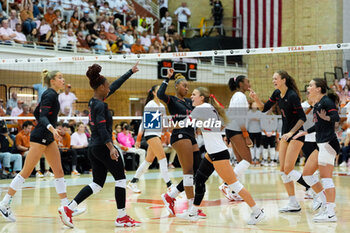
point(327, 183)
point(241, 167)
point(120, 183)
point(294, 175)
point(60, 185)
point(188, 180)
point(95, 187)
point(236, 187)
point(310, 180)
point(17, 182)
point(285, 178)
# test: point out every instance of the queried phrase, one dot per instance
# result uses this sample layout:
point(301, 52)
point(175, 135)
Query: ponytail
point(210, 98)
point(233, 83)
point(47, 76)
point(150, 95)
point(321, 83)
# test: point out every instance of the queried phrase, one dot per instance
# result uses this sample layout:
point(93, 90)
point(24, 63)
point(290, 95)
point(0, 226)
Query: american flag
point(261, 22)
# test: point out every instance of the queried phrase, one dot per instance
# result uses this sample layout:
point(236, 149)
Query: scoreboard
point(187, 69)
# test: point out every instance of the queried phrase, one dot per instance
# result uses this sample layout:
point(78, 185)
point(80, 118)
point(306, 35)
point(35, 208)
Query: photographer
point(6, 157)
point(217, 14)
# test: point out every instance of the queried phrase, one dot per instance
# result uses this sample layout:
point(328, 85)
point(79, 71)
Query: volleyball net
point(211, 69)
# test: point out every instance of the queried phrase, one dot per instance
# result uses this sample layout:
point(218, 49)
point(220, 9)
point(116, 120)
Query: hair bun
point(94, 71)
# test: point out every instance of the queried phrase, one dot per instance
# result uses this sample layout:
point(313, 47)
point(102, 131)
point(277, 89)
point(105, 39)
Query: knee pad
point(327, 183)
point(201, 177)
point(310, 180)
point(60, 185)
point(241, 167)
point(294, 175)
point(236, 187)
point(200, 188)
point(188, 180)
point(95, 187)
point(285, 178)
point(120, 183)
point(17, 182)
point(326, 154)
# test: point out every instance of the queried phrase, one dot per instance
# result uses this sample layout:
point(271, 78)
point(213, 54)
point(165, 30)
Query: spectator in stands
point(165, 138)
point(111, 35)
point(82, 28)
point(25, 113)
point(104, 9)
point(79, 143)
point(67, 98)
point(87, 20)
point(171, 29)
point(13, 20)
point(36, 10)
point(129, 38)
point(70, 39)
point(102, 45)
point(166, 21)
point(64, 145)
point(23, 138)
point(11, 103)
point(44, 31)
point(18, 109)
point(119, 47)
point(58, 14)
point(27, 18)
point(343, 80)
point(183, 14)
point(146, 40)
point(75, 19)
point(217, 13)
point(2, 109)
point(137, 47)
point(127, 141)
point(82, 43)
point(128, 26)
point(142, 27)
point(120, 33)
point(67, 9)
point(63, 28)
point(33, 36)
point(20, 37)
point(50, 15)
point(6, 33)
point(120, 8)
point(6, 144)
point(163, 8)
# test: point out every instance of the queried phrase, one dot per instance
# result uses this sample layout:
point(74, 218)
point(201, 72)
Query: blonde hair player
point(42, 141)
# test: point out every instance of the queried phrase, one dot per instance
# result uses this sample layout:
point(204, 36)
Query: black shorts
point(302, 139)
point(230, 133)
point(268, 141)
point(151, 136)
point(42, 136)
point(308, 148)
point(222, 155)
point(179, 136)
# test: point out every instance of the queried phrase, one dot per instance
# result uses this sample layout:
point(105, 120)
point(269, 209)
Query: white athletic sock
point(255, 209)
point(272, 153)
point(265, 154)
point(163, 167)
point(121, 213)
point(292, 199)
point(322, 196)
point(7, 200)
point(174, 192)
point(64, 201)
point(252, 152)
point(72, 205)
point(193, 210)
point(190, 203)
point(330, 208)
point(142, 169)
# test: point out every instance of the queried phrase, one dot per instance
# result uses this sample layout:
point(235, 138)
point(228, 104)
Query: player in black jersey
point(182, 140)
point(288, 98)
point(325, 115)
point(103, 155)
point(42, 142)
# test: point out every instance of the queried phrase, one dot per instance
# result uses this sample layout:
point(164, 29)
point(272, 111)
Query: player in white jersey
point(207, 116)
point(236, 130)
point(152, 136)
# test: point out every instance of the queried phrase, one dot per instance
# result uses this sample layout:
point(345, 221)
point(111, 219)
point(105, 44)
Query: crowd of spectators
point(111, 26)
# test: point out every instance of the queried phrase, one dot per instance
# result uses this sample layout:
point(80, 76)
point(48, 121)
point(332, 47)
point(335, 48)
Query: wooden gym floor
point(35, 207)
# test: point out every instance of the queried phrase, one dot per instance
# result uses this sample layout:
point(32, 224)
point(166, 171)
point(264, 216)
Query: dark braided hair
point(93, 73)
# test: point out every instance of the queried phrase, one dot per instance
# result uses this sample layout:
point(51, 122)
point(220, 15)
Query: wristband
point(48, 126)
point(245, 134)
